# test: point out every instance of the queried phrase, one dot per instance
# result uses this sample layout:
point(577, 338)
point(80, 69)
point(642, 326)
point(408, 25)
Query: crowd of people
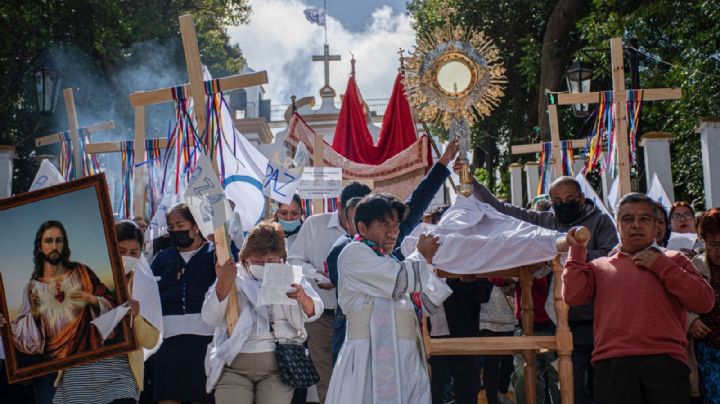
point(645, 319)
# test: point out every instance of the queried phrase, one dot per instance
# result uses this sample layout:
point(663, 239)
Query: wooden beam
point(621, 128)
point(113, 147)
point(651, 94)
point(537, 147)
point(555, 139)
point(139, 194)
point(73, 126)
point(226, 84)
point(57, 137)
point(318, 156)
point(491, 345)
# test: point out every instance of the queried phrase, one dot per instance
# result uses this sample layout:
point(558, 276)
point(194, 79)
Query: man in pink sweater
point(642, 294)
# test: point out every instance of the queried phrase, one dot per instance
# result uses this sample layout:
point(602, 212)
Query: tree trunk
point(555, 53)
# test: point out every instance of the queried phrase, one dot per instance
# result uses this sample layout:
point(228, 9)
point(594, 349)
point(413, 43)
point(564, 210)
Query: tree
point(102, 35)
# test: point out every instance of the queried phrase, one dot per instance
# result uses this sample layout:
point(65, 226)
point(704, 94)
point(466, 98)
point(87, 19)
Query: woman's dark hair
point(296, 198)
point(39, 257)
point(665, 218)
point(379, 207)
point(128, 230)
point(709, 223)
point(183, 210)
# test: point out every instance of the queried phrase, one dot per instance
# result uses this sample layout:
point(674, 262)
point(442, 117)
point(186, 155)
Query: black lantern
point(578, 79)
point(48, 81)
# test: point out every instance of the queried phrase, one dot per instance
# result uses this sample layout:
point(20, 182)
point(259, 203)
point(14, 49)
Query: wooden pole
point(139, 194)
point(73, 126)
point(555, 138)
point(621, 131)
point(318, 156)
point(197, 91)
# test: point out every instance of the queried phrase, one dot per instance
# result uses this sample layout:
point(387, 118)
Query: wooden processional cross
point(196, 90)
point(73, 128)
point(141, 99)
point(621, 121)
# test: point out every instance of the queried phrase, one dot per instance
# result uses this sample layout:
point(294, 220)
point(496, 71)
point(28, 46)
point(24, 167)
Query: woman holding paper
point(242, 367)
point(684, 231)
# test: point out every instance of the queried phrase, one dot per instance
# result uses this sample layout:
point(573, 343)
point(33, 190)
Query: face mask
point(257, 271)
point(567, 212)
point(289, 225)
point(129, 263)
point(181, 238)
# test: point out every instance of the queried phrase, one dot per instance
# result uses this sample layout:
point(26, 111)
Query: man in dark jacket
point(570, 209)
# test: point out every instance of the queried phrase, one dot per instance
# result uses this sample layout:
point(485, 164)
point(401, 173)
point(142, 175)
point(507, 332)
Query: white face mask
point(129, 263)
point(257, 271)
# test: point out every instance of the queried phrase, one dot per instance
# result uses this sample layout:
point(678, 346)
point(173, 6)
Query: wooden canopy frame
point(527, 344)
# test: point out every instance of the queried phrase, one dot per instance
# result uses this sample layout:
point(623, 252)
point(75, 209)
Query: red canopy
point(352, 137)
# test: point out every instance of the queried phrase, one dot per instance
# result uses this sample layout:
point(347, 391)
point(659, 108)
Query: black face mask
point(567, 212)
point(181, 238)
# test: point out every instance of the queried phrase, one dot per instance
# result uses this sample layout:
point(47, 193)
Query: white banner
point(205, 197)
point(46, 176)
point(320, 183)
point(281, 183)
point(658, 194)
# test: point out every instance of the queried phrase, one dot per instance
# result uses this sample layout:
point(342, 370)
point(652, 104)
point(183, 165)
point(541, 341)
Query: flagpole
point(325, 25)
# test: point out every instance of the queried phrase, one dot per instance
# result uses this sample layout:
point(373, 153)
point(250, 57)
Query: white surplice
point(382, 367)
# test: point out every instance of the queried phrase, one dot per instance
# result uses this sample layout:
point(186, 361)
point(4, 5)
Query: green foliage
point(102, 33)
point(686, 35)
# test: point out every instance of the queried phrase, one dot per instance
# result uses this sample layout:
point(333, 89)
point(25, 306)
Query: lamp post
point(578, 78)
point(48, 81)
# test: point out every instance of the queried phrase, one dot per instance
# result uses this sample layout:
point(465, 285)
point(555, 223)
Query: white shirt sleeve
point(213, 310)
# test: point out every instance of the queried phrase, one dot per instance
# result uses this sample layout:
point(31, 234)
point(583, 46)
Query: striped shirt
point(97, 383)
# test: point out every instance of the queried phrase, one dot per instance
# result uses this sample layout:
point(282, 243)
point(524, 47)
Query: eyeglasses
point(686, 216)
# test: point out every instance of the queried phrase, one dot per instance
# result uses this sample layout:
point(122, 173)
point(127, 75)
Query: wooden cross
point(196, 90)
point(326, 58)
point(141, 99)
point(73, 128)
point(620, 100)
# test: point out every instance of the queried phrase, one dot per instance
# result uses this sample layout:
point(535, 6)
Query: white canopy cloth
point(475, 239)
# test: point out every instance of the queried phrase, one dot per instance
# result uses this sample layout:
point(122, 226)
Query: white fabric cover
point(475, 238)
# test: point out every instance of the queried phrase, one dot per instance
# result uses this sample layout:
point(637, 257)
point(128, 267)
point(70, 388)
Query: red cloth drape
point(352, 137)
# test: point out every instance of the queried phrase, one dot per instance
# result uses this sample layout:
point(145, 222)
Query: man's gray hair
point(635, 197)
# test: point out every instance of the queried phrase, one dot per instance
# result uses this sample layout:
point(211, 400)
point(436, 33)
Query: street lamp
point(578, 79)
point(48, 81)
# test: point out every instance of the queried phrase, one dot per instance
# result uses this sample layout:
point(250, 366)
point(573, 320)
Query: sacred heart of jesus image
point(60, 271)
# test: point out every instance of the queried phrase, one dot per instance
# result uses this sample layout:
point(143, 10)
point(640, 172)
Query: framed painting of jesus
point(62, 284)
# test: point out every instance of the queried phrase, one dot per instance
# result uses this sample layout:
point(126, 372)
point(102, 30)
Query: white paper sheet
point(106, 323)
point(681, 240)
point(277, 281)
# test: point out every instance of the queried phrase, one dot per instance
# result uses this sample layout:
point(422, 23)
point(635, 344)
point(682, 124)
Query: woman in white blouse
point(242, 367)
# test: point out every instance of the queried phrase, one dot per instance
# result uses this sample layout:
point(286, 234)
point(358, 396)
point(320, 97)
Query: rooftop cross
point(326, 58)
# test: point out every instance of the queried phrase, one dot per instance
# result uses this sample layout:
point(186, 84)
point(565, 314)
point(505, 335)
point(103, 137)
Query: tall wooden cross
point(326, 58)
point(141, 99)
point(196, 90)
point(74, 127)
point(620, 101)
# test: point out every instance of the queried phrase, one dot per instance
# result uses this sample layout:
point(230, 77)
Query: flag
point(614, 195)
point(590, 194)
point(315, 16)
point(46, 176)
point(658, 194)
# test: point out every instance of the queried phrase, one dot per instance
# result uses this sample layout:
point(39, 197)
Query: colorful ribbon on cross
point(184, 139)
point(127, 153)
point(545, 167)
point(634, 107)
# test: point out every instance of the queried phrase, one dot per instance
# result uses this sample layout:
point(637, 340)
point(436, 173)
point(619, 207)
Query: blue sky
point(78, 211)
point(280, 40)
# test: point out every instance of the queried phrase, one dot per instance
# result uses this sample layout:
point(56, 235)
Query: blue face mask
point(289, 226)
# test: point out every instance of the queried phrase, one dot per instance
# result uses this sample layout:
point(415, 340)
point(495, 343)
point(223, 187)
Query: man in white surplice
point(382, 360)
